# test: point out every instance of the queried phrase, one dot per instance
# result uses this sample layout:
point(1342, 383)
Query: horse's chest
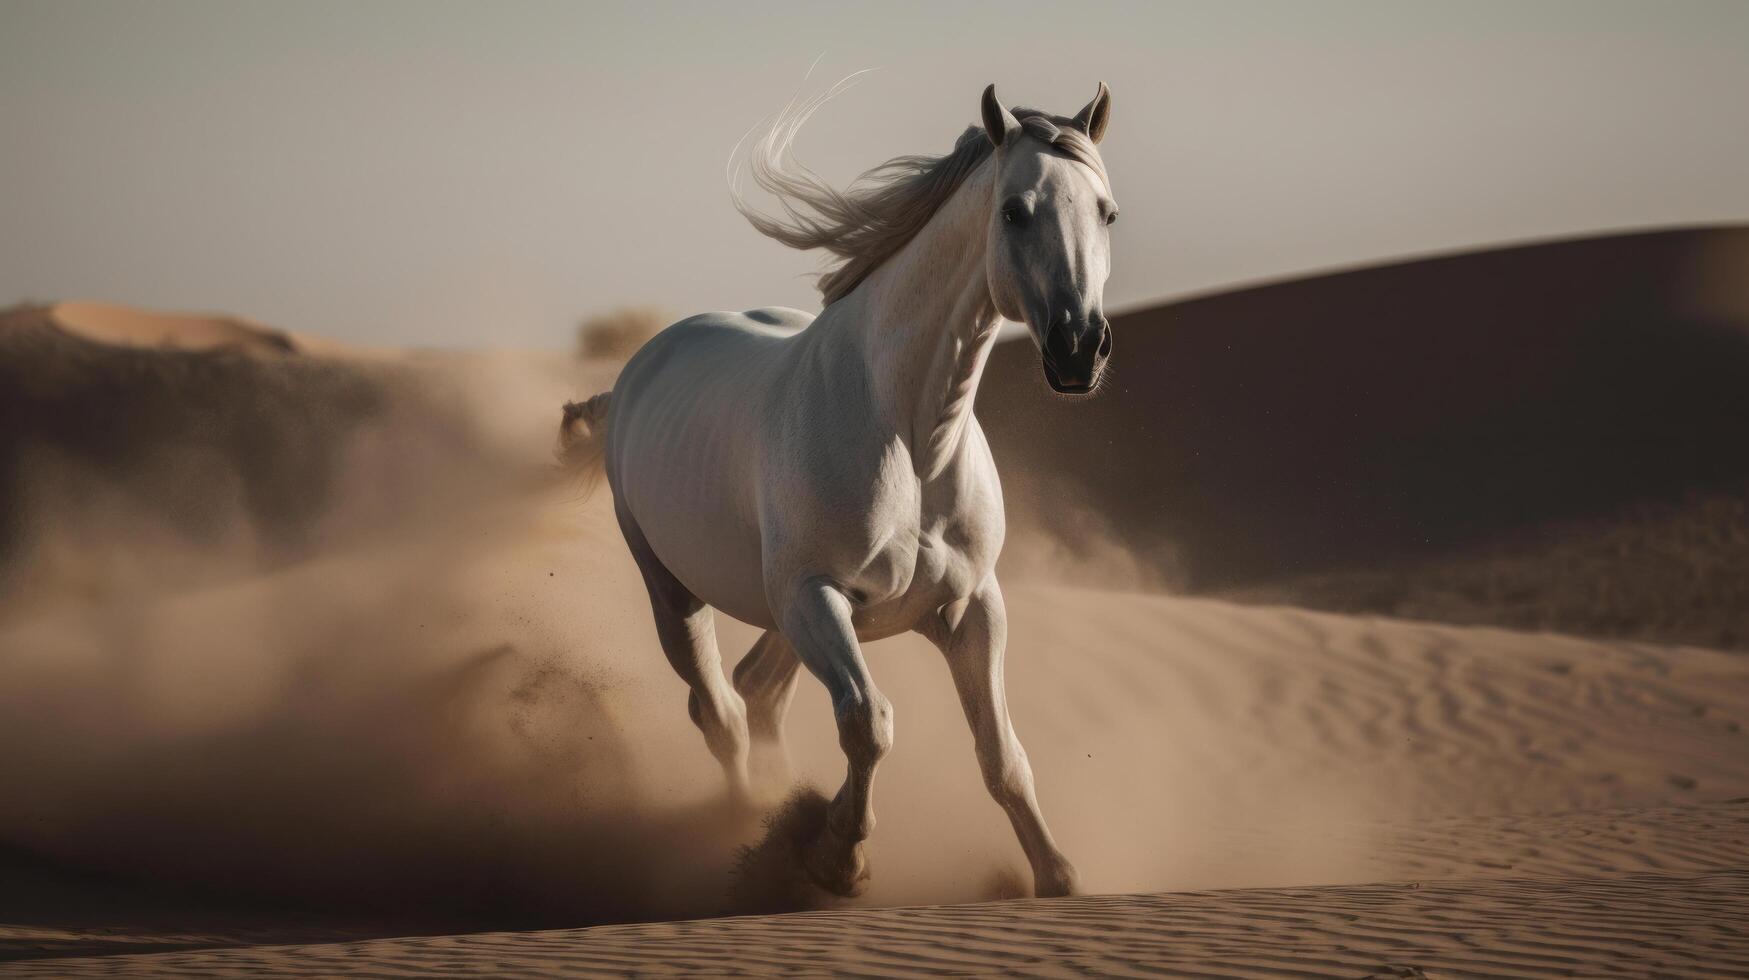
point(899, 545)
point(933, 556)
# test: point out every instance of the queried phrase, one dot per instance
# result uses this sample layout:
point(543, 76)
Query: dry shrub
point(618, 333)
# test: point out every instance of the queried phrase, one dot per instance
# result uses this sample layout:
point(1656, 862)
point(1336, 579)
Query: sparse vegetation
point(618, 333)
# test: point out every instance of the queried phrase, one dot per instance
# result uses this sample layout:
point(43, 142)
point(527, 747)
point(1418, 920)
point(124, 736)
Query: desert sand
point(444, 741)
point(1629, 926)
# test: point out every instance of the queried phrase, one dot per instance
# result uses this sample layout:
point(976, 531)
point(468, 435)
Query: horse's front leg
point(973, 634)
point(816, 620)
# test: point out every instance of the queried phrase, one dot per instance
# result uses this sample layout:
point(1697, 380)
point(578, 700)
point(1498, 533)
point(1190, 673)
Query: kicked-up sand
point(1266, 791)
point(441, 744)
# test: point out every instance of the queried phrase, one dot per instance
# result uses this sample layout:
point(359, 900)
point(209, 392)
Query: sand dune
point(131, 327)
point(1181, 744)
point(180, 447)
point(1425, 425)
point(128, 326)
point(1632, 926)
point(455, 720)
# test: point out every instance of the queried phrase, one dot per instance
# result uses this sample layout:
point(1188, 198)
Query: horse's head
point(1050, 248)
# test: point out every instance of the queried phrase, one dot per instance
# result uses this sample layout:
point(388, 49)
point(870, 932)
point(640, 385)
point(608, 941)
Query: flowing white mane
point(864, 224)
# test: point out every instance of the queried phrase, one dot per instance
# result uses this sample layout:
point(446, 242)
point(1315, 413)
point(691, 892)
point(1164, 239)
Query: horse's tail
point(583, 436)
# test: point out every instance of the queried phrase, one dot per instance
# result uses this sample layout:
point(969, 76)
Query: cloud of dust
point(442, 703)
point(433, 697)
point(1052, 540)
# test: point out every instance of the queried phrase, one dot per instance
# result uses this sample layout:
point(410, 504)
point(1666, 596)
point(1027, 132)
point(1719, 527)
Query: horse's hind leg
point(688, 635)
point(766, 679)
point(816, 621)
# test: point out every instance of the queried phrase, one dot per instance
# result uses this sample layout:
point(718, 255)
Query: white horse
point(824, 477)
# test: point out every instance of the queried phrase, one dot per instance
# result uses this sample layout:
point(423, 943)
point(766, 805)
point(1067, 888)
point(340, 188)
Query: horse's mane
point(884, 208)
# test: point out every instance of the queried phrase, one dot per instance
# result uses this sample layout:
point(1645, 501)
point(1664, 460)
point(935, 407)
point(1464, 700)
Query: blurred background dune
point(1550, 436)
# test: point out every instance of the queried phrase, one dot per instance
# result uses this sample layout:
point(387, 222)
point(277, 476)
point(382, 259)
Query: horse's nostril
point(1060, 344)
point(1105, 342)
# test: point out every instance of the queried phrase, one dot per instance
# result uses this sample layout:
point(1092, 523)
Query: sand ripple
point(1628, 926)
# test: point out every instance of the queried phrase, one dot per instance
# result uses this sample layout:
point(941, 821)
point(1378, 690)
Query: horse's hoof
point(836, 866)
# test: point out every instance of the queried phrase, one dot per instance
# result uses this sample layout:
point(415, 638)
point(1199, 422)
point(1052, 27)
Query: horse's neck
point(927, 323)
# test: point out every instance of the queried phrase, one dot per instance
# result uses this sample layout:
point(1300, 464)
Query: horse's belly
point(722, 570)
point(697, 534)
point(680, 457)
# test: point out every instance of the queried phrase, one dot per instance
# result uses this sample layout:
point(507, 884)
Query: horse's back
point(683, 436)
point(701, 345)
point(711, 362)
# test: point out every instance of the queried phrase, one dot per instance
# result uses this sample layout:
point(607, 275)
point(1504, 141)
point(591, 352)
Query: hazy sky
point(485, 173)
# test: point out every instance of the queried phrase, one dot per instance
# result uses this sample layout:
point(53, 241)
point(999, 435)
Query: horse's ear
point(1094, 115)
point(999, 124)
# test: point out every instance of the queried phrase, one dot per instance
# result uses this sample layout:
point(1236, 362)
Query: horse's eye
point(1014, 213)
point(1111, 217)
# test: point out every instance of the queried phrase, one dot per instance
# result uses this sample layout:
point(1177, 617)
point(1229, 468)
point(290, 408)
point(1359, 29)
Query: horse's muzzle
point(1075, 354)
